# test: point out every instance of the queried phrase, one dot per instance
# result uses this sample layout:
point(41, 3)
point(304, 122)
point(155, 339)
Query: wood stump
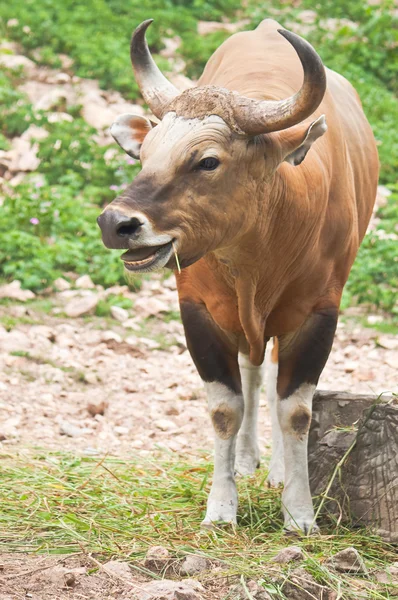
point(365, 488)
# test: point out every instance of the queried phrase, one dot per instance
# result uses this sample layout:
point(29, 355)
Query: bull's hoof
point(208, 525)
point(276, 474)
point(301, 526)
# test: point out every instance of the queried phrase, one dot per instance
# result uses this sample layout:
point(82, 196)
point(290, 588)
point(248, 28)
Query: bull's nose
point(117, 228)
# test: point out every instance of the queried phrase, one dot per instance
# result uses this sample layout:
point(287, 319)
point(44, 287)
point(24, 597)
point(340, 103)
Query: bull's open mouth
point(147, 258)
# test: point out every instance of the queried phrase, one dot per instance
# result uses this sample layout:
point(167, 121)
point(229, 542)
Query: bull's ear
point(301, 139)
point(129, 131)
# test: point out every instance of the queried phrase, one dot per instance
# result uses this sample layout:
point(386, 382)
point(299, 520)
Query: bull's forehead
point(176, 134)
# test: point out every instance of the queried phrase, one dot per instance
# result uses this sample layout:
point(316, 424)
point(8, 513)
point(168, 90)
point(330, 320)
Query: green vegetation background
point(78, 179)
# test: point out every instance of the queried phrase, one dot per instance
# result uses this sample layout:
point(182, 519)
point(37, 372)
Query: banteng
point(266, 206)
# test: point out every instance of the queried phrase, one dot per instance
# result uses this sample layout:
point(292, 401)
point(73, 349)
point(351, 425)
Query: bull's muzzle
point(118, 228)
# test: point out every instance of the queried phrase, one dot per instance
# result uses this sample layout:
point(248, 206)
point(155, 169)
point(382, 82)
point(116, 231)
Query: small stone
point(15, 61)
point(147, 307)
point(302, 586)
point(389, 343)
point(131, 324)
point(70, 579)
point(288, 554)
point(157, 558)
point(70, 430)
point(14, 292)
point(121, 430)
point(347, 561)
point(84, 283)
point(164, 424)
point(193, 564)
point(111, 336)
point(119, 313)
point(91, 378)
point(118, 568)
point(373, 319)
point(238, 592)
point(81, 306)
point(97, 409)
point(61, 284)
point(350, 366)
point(171, 590)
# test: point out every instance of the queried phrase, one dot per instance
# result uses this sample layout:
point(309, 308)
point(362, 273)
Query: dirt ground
point(56, 373)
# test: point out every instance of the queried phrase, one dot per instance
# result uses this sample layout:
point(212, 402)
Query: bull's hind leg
point(216, 359)
point(247, 450)
point(302, 357)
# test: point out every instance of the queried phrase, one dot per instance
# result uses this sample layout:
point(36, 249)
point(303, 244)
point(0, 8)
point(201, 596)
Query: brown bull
point(266, 224)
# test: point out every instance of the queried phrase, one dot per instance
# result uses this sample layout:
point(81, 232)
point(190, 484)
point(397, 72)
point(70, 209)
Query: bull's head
point(204, 164)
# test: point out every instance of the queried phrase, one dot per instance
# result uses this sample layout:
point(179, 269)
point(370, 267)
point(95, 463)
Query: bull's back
point(261, 64)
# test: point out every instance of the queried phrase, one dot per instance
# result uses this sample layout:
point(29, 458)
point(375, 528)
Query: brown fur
point(263, 244)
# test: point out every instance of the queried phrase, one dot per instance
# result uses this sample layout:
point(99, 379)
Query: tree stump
point(365, 488)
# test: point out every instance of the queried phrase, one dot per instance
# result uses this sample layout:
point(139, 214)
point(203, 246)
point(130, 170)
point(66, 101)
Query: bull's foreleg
point(302, 357)
point(216, 358)
point(247, 450)
point(276, 473)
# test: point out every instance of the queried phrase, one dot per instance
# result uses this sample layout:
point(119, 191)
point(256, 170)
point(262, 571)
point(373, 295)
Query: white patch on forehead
point(173, 129)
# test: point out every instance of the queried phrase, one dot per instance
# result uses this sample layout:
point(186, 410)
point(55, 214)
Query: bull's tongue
point(140, 253)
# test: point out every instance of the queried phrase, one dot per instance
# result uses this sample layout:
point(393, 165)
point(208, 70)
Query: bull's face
point(202, 166)
point(189, 196)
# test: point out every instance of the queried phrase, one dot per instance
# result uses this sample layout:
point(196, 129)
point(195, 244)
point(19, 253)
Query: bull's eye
point(208, 164)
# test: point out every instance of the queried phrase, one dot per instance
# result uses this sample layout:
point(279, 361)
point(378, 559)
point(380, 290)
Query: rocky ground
point(126, 383)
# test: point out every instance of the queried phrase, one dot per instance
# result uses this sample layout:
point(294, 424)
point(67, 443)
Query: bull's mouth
point(148, 258)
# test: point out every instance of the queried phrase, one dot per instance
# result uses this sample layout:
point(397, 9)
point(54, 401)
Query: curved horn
point(255, 117)
point(155, 88)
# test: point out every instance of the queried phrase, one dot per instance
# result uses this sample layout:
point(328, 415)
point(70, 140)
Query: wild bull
point(266, 209)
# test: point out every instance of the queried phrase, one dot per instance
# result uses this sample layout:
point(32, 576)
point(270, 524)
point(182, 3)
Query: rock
point(13, 290)
point(70, 430)
point(147, 307)
point(54, 98)
point(391, 343)
point(84, 283)
point(118, 568)
point(302, 586)
point(13, 61)
point(58, 576)
point(81, 306)
point(288, 554)
point(164, 424)
point(111, 336)
point(131, 324)
point(119, 313)
point(121, 430)
point(59, 117)
point(238, 592)
point(61, 284)
point(23, 156)
point(34, 133)
point(171, 590)
point(347, 561)
point(193, 564)
point(97, 409)
point(157, 558)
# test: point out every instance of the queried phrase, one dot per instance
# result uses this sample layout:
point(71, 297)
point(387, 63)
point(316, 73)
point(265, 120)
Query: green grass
point(59, 503)
point(76, 179)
